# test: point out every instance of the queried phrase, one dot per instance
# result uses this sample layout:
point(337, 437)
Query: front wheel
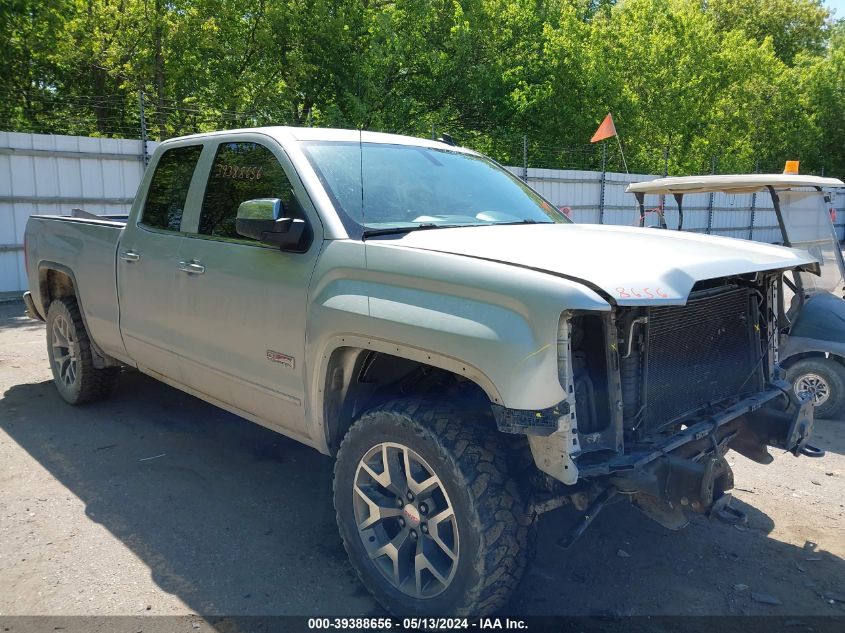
point(824, 380)
point(430, 517)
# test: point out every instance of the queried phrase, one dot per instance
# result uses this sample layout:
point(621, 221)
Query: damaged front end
point(657, 395)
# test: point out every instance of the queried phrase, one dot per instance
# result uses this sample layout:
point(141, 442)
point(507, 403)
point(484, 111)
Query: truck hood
point(633, 266)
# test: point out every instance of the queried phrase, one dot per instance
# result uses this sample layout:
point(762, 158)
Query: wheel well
point(359, 379)
point(54, 284)
point(57, 284)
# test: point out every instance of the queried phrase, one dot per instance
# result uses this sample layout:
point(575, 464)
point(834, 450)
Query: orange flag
point(606, 129)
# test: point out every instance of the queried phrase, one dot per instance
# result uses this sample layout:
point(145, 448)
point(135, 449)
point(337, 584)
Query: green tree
point(795, 26)
point(821, 83)
point(752, 81)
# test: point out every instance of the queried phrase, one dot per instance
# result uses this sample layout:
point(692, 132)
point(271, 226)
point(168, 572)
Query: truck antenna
point(361, 158)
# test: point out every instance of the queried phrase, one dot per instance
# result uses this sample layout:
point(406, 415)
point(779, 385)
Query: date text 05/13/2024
point(418, 624)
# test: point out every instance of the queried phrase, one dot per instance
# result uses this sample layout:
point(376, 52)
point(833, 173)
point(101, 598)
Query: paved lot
point(157, 503)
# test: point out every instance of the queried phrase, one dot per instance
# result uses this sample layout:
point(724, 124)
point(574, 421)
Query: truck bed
point(86, 249)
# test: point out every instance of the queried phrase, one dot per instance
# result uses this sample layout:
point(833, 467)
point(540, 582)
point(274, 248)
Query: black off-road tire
point(832, 374)
point(495, 520)
point(89, 384)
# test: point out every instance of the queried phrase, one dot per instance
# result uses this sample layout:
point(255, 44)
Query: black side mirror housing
point(262, 219)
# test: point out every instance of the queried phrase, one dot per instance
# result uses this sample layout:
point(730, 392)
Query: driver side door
point(243, 303)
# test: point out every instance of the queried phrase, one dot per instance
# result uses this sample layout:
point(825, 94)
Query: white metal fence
point(745, 216)
point(46, 174)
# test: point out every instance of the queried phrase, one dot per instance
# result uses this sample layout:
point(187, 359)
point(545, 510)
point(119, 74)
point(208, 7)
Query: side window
point(240, 172)
point(169, 187)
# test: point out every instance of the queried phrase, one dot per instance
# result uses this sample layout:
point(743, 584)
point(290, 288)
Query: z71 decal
point(648, 293)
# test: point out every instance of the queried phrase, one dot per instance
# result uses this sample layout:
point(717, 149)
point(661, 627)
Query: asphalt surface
point(156, 503)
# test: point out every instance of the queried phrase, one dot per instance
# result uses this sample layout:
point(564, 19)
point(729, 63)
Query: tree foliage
point(751, 82)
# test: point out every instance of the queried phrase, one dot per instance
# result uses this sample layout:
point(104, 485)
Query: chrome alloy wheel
point(815, 385)
point(64, 350)
point(405, 520)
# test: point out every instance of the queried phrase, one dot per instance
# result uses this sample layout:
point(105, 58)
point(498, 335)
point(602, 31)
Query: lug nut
point(399, 502)
point(423, 508)
point(410, 496)
point(414, 534)
point(401, 522)
point(424, 528)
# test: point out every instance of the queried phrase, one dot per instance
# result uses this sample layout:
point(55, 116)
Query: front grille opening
point(700, 354)
point(590, 372)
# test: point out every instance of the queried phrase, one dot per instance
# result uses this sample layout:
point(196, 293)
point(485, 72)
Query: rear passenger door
point(148, 257)
point(242, 304)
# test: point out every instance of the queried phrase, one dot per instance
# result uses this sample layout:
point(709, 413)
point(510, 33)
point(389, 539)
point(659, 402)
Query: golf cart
point(812, 312)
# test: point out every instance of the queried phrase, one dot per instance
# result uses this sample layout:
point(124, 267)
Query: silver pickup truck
point(470, 356)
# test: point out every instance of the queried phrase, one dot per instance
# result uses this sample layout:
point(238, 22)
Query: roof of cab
point(739, 183)
point(283, 133)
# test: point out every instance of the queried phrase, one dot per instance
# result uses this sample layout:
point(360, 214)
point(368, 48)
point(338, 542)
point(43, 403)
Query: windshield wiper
point(399, 230)
point(528, 221)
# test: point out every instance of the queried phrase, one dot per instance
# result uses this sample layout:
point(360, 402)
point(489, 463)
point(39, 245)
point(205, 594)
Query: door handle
point(192, 268)
point(130, 256)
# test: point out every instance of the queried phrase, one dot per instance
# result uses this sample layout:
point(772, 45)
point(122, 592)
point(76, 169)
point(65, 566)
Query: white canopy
point(740, 183)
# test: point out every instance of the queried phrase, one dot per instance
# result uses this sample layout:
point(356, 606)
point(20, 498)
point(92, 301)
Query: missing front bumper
point(774, 417)
point(688, 473)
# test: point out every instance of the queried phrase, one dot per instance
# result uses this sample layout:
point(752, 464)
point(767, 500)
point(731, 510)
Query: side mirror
point(263, 220)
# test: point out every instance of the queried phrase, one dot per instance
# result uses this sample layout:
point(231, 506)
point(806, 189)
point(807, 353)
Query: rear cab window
point(242, 171)
point(168, 191)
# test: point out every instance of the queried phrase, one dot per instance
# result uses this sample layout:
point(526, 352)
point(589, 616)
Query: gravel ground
point(157, 503)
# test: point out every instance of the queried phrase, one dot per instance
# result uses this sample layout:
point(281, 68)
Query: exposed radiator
point(704, 352)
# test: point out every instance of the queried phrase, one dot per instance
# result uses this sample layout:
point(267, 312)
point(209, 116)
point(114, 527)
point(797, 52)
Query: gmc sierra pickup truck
point(470, 356)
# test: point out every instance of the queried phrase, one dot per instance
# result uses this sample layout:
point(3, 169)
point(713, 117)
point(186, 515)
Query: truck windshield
point(408, 187)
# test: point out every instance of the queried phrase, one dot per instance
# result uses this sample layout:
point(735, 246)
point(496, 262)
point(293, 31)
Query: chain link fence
point(140, 117)
point(587, 179)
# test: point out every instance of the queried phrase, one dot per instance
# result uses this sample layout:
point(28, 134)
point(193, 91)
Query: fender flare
point(392, 348)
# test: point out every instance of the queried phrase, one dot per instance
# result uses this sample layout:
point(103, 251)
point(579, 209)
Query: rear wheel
point(71, 360)
point(432, 520)
point(824, 380)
